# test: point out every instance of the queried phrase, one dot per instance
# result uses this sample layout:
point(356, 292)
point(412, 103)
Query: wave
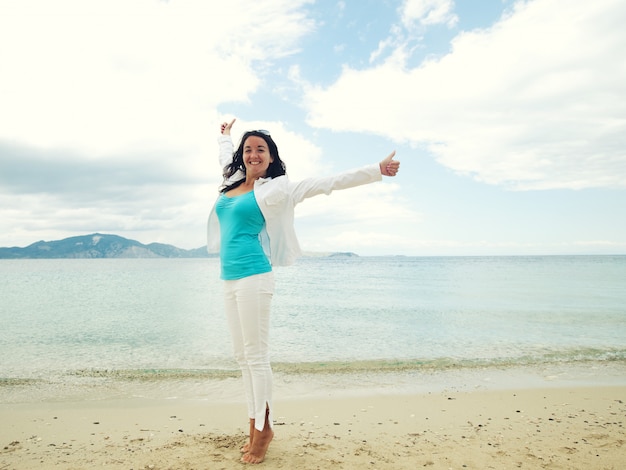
point(572, 357)
point(448, 363)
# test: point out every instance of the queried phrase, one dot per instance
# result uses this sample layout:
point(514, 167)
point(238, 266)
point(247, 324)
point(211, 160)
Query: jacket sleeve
point(325, 185)
point(226, 158)
point(226, 150)
point(213, 225)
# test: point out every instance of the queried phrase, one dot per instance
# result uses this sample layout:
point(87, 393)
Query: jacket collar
point(262, 181)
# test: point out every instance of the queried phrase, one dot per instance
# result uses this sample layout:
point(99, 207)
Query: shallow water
point(76, 323)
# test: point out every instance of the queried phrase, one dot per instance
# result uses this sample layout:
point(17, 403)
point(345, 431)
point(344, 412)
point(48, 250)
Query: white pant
point(247, 303)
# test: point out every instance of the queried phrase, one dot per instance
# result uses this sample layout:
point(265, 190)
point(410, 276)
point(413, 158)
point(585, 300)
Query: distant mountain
point(98, 245)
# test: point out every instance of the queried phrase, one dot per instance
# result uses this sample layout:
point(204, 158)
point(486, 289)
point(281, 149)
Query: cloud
point(35, 171)
point(109, 109)
point(57, 193)
point(372, 208)
point(105, 76)
point(533, 102)
point(428, 12)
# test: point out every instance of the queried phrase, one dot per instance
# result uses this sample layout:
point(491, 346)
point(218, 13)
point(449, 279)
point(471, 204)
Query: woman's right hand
point(225, 127)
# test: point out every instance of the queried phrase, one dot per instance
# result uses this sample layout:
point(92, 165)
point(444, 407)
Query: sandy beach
point(555, 428)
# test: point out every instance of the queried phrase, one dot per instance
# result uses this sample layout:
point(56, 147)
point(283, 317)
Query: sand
point(554, 428)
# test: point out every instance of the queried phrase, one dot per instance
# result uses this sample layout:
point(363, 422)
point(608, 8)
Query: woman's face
point(256, 157)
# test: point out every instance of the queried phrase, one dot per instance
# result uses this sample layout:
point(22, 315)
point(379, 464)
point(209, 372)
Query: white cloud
point(429, 12)
point(534, 102)
point(109, 109)
point(110, 76)
point(373, 208)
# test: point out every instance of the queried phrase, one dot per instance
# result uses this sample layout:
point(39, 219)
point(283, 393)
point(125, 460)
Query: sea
point(97, 329)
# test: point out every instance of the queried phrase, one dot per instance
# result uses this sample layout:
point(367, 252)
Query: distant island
point(99, 245)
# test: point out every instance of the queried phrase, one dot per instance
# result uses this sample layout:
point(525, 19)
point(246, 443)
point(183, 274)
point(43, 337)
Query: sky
point(508, 118)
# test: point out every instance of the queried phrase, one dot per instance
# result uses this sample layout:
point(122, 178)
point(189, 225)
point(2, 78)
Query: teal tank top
point(241, 221)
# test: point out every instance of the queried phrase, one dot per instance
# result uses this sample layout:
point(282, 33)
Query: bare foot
point(258, 447)
point(246, 447)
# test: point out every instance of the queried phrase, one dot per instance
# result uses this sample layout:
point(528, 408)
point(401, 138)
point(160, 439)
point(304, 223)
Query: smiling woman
point(257, 157)
point(252, 224)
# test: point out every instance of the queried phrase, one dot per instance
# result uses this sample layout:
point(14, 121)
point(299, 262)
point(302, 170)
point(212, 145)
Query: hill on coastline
point(98, 245)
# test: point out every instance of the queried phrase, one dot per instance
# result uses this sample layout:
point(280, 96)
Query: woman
point(252, 227)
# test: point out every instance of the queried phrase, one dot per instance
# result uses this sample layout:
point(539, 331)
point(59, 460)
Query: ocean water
point(154, 327)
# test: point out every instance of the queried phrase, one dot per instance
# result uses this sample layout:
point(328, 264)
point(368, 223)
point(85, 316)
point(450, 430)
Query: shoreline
point(94, 386)
point(519, 427)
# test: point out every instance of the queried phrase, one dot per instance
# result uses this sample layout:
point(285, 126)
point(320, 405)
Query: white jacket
point(277, 198)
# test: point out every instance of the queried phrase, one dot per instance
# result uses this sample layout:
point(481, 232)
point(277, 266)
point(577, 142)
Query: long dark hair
point(277, 166)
